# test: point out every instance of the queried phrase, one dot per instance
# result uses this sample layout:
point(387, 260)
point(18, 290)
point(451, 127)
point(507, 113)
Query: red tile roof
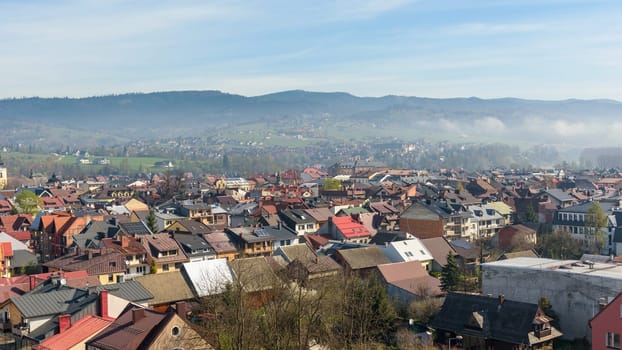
point(79, 332)
point(349, 227)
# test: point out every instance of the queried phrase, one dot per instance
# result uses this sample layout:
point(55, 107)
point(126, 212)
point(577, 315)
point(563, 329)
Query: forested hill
point(162, 109)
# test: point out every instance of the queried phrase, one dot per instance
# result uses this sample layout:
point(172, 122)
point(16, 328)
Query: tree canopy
point(595, 222)
point(450, 274)
point(27, 202)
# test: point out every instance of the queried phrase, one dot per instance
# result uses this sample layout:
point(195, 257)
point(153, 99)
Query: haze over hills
point(577, 123)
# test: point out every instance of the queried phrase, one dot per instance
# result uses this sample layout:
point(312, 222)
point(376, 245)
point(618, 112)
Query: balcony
point(542, 332)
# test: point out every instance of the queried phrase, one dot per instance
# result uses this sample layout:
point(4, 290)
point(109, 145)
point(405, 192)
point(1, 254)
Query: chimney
point(90, 254)
point(64, 322)
point(181, 308)
point(501, 299)
point(137, 315)
point(330, 225)
point(103, 303)
point(33, 282)
point(125, 241)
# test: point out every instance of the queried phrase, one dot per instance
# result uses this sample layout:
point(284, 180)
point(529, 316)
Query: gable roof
point(504, 320)
point(411, 277)
point(134, 228)
point(253, 274)
point(409, 250)
point(84, 329)
point(208, 277)
point(128, 290)
point(364, 257)
point(349, 227)
point(439, 248)
point(166, 288)
point(124, 333)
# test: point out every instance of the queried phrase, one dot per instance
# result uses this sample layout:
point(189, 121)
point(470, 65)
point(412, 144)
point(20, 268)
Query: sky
point(537, 49)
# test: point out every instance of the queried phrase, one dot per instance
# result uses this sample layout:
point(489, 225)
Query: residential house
point(134, 229)
point(167, 289)
point(606, 325)
point(573, 220)
point(108, 265)
point(386, 216)
point(251, 241)
point(94, 232)
point(299, 221)
point(195, 247)
point(485, 221)
point(560, 198)
point(74, 336)
point(140, 328)
point(304, 264)
point(345, 228)
point(39, 313)
point(53, 234)
point(469, 255)
point(189, 226)
point(283, 236)
point(254, 275)
point(408, 250)
point(360, 261)
point(436, 219)
point(320, 215)
point(515, 235)
point(136, 262)
point(222, 245)
point(207, 277)
point(440, 249)
point(164, 254)
point(408, 281)
point(504, 210)
point(17, 226)
point(484, 322)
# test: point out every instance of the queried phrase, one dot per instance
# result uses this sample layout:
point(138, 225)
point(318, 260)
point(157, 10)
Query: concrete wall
point(573, 296)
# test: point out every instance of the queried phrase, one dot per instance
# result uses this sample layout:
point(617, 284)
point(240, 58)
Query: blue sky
point(542, 49)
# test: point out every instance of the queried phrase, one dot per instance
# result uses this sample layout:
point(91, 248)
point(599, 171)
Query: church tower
point(3, 175)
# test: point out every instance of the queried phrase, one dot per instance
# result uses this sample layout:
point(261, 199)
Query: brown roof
point(319, 214)
point(439, 248)
point(365, 257)
point(162, 242)
point(411, 277)
point(220, 242)
point(125, 333)
point(100, 262)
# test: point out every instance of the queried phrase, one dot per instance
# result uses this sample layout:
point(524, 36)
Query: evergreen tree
point(151, 222)
point(450, 274)
point(530, 214)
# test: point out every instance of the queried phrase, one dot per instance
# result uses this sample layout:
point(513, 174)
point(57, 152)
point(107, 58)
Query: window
point(175, 331)
point(613, 340)
point(111, 278)
point(165, 267)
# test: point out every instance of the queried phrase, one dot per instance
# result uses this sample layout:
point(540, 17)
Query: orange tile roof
point(79, 332)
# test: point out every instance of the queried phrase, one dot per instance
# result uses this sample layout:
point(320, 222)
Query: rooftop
point(562, 266)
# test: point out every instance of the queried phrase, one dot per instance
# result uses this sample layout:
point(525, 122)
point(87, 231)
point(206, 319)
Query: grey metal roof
point(23, 258)
point(42, 304)
point(129, 290)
